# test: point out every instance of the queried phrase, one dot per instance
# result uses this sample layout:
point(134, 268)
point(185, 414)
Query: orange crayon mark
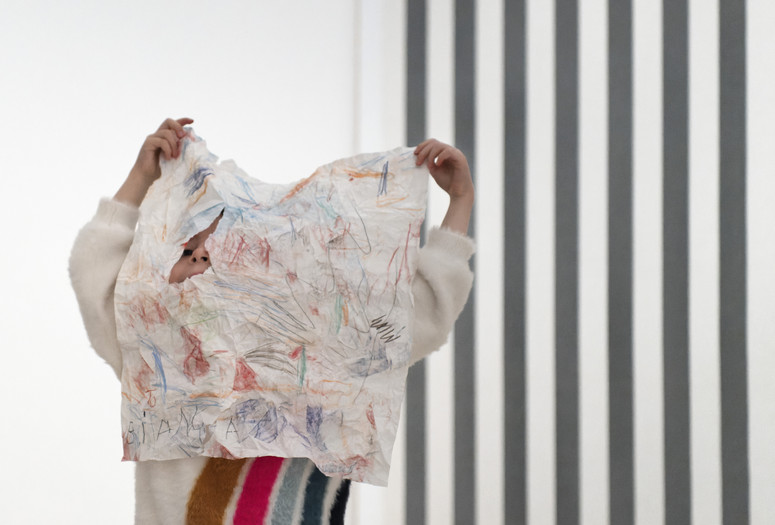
point(296, 189)
point(365, 174)
point(385, 202)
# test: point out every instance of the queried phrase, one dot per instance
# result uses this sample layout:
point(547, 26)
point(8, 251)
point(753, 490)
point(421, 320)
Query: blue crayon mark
point(371, 161)
point(383, 181)
point(371, 365)
point(159, 367)
point(195, 181)
point(314, 420)
point(246, 408)
point(247, 190)
point(267, 428)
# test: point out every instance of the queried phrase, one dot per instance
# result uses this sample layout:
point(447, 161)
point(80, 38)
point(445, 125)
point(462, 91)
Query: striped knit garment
point(266, 490)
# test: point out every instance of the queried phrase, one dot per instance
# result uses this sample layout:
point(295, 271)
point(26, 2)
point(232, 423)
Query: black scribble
point(386, 332)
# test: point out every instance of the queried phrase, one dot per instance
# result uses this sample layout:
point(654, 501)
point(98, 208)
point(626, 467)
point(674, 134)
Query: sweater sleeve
point(441, 286)
point(98, 253)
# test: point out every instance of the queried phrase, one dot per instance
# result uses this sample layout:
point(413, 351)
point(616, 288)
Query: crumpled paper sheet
point(296, 342)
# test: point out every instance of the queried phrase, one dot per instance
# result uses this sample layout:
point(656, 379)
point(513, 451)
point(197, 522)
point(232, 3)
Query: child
point(266, 489)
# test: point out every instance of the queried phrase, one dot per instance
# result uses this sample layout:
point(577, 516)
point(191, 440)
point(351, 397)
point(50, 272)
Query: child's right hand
point(166, 141)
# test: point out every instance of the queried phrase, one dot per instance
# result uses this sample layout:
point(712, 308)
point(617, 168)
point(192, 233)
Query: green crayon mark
point(302, 365)
point(330, 211)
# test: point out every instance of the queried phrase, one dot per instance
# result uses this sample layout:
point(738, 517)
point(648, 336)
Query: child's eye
point(187, 252)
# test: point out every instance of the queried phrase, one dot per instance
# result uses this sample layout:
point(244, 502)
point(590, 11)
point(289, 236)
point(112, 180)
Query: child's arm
point(98, 253)
point(101, 246)
point(443, 279)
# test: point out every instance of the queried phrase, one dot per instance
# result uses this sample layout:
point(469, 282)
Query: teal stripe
point(313, 498)
point(291, 493)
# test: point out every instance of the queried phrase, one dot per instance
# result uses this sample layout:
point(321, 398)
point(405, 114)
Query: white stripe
point(231, 508)
point(541, 494)
point(593, 261)
point(705, 422)
point(761, 258)
point(439, 367)
point(489, 353)
point(332, 487)
point(647, 260)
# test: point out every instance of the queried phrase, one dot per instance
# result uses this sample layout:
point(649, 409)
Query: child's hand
point(164, 141)
point(449, 168)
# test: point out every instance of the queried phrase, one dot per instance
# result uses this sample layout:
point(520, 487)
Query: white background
point(270, 84)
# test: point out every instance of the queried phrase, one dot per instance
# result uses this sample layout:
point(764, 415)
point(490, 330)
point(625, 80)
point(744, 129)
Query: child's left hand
point(449, 168)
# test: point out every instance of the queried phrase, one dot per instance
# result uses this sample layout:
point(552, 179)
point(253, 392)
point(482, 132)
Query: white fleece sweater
point(441, 286)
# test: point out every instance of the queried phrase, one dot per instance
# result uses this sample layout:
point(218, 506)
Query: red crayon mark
point(250, 252)
point(244, 377)
point(297, 352)
point(224, 452)
point(264, 249)
point(194, 365)
point(358, 462)
point(142, 381)
point(150, 313)
point(370, 415)
point(238, 251)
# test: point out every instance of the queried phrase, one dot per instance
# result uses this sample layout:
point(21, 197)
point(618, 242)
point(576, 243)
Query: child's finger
point(175, 125)
point(160, 143)
point(443, 156)
point(182, 122)
point(169, 137)
point(423, 150)
point(435, 151)
point(422, 145)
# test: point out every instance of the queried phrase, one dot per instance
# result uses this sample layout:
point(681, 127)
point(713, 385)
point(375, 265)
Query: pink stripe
point(253, 504)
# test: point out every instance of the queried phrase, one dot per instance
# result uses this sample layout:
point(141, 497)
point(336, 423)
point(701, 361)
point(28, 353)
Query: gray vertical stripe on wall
point(566, 262)
point(464, 397)
point(732, 263)
point(515, 459)
point(675, 238)
point(620, 262)
point(415, 387)
point(675, 257)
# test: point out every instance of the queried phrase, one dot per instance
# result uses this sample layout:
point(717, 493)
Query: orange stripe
point(212, 491)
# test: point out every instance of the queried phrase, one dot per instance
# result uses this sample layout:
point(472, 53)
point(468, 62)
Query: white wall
point(82, 83)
